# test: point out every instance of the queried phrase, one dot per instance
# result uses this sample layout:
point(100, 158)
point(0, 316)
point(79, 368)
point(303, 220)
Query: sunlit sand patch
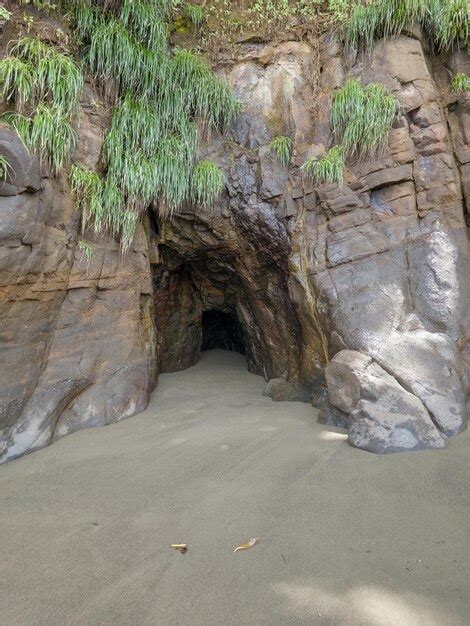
point(332, 436)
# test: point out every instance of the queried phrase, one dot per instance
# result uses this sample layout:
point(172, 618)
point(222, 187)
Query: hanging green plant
point(85, 249)
point(207, 182)
point(44, 84)
point(151, 147)
point(282, 147)
point(48, 133)
point(196, 14)
point(362, 116)
point(460, 83)
point(5, 167)
point(361, 119)
point(18, 81)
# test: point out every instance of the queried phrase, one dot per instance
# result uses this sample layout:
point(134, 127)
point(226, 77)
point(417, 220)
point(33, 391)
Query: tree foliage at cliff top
point(150, 151)
point(444, 22)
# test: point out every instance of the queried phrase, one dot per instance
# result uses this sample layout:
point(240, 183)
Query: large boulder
point(383, 416)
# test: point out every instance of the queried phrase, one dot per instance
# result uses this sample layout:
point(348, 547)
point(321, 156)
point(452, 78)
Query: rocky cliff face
point(77, 334)
point(367, 281)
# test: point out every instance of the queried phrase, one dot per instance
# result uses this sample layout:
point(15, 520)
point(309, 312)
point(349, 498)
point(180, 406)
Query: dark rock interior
point(221, 330)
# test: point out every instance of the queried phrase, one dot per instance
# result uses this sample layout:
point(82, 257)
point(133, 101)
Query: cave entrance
point(221, 330)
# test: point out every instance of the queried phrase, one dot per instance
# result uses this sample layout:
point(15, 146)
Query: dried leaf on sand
point(181, 547)
point(246, 546)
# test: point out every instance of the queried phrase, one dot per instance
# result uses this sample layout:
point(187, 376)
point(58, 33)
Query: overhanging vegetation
point(164, 99)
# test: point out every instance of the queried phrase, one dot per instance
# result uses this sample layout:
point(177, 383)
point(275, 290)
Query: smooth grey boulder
point(402, 427)
point(383, 416)
point(343, 377)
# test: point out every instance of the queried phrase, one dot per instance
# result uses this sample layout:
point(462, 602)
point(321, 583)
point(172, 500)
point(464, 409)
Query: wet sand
point(346, 537)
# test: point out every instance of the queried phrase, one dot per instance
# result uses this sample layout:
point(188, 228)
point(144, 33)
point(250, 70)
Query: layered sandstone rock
point(77, 335)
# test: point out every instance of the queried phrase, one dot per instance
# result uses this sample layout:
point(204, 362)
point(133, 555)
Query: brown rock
point(282, 269)
point(338, 198)
point(281, 390)
point(388, 176)
point(355, 243)
point(395, 200)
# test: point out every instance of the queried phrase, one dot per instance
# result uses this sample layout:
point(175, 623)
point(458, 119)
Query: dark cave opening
point(153, 222)
point(221, 330)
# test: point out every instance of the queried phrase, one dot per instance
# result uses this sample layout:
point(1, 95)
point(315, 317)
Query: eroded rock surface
point(281, 390)
point(383, 416)
point(76, 334)
point(376, 268)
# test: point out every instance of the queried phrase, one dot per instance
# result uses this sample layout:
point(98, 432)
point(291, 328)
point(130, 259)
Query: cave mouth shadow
point(222, 331)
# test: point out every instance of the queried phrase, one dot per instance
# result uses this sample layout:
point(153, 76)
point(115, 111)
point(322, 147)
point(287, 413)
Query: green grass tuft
point(460, 83)
point(39, 78)
point(5, 167)
point(383, 18)
point(452, 23)
point(136, 126)
point(203, 93)
point(17, 78)
point(113, 55)
point(21, 124)
point(87, 189)
point(196, 14)
point(148, 155)
point(52, 137)
point(5, 14)
point(101, 204)
point(86, 249)
point(48, 133)
point(36, 71)
point(328, 169)
point(173, 171)
point(59, 81)
point(207, 183)
point(144, 19)
point(84, 17)
point(282, 147)
point(362, 117)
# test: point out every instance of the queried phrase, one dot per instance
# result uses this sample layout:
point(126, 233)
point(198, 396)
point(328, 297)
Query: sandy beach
point(346, 537)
